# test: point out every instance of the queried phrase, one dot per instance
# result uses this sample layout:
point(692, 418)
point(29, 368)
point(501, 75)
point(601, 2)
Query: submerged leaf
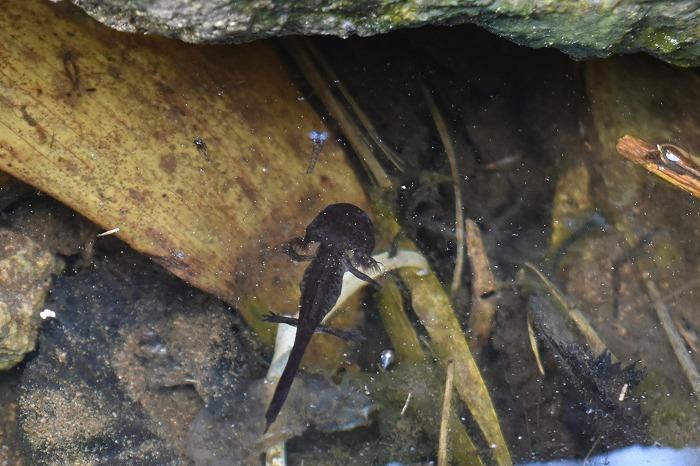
point(196, 153)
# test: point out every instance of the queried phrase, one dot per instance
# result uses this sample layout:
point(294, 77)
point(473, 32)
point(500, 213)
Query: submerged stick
point(533, 343)
point(401, 333)
point(459, 211)
point(409, 350)
point(689, 368)
point(483, 283)
point(432, 305)
point(443, 458)
point(666, 161)
point(572, 314)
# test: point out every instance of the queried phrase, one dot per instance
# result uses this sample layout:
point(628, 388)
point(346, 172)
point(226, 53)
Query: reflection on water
point(631, 456)
point(635, 456)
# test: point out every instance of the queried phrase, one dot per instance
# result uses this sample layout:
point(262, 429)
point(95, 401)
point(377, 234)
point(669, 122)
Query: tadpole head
point(343, 226)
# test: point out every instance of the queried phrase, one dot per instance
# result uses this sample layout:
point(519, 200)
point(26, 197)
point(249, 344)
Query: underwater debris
point(456, 186)
point(228, 431)
point(598, 402)
point(483, 309)
point(202, 148)
point(443, 447)
point(667, 161)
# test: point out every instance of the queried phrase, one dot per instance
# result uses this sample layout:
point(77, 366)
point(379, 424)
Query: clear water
point(594, 262)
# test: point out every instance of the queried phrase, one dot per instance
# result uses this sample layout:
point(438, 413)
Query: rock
point(131, 358)
point(11, 189)
point(25, 276)
point(666, 29)
point(228, 431)
point(53, 226)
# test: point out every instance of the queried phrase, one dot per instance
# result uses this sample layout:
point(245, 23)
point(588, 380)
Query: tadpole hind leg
point(347, 335)
point(279, 319)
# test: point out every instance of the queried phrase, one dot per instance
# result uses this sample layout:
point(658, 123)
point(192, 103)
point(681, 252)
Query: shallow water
point(587, 253)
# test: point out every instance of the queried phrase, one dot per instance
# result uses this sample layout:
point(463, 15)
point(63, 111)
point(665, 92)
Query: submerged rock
point(131, 358)
point(229, 431)
point(26, 269)
point(666, 29)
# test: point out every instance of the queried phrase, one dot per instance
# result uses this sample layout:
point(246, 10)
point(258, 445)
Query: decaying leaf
point(483, 310)
point(197, 154)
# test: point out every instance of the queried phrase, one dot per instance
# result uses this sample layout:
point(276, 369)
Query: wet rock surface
point(131, 358)
point(666, 29)
point(26, 270)
point(53, 226)
point(229, 431)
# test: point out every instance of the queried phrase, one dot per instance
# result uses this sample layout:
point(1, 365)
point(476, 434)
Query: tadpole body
point(345, 238)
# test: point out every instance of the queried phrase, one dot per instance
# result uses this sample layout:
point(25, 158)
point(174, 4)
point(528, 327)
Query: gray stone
point(668, 29)
point(25, 276)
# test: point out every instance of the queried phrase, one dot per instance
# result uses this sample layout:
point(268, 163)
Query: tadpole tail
point(290, 371)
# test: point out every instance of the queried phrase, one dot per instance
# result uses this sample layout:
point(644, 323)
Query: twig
point(687, 364)
point(623, 393)
point(410, 350)
point(459, 211)
point(666, 161)
point(442, 459)
point(690, 338)
point(398, 327)
point(405, 405)
point(572, 314)
point(484, 283)
point(431, 305)
point(109, 232)
point(591, 450)
point(533, 343)
point(681, 289)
